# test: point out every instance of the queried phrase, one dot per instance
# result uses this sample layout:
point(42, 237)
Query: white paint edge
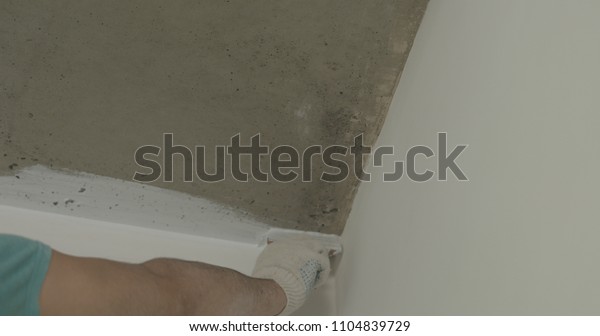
point(93, 238)
point(330, 241)
point(111, 200)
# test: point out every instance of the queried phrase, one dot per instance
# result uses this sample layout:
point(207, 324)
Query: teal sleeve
point(23, 267)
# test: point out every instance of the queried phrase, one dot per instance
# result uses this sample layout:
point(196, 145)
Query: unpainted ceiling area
point(85, 83)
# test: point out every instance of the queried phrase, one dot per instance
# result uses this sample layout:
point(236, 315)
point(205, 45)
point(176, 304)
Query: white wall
point(519, 81)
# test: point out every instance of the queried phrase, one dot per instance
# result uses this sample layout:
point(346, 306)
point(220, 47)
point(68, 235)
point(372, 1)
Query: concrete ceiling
point(85, 83)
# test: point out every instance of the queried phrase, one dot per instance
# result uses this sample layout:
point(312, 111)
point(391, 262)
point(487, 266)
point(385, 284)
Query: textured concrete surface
point(85, 83)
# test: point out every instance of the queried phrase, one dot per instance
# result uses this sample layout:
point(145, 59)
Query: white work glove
point(298, 266)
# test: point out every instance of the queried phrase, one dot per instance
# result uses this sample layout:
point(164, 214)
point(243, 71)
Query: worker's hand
point(298, 266)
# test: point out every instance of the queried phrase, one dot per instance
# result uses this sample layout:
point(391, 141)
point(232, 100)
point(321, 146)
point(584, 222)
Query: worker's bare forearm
point(90, 286)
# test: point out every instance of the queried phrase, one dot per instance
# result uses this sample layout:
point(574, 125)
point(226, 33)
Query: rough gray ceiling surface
point(85, 83)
